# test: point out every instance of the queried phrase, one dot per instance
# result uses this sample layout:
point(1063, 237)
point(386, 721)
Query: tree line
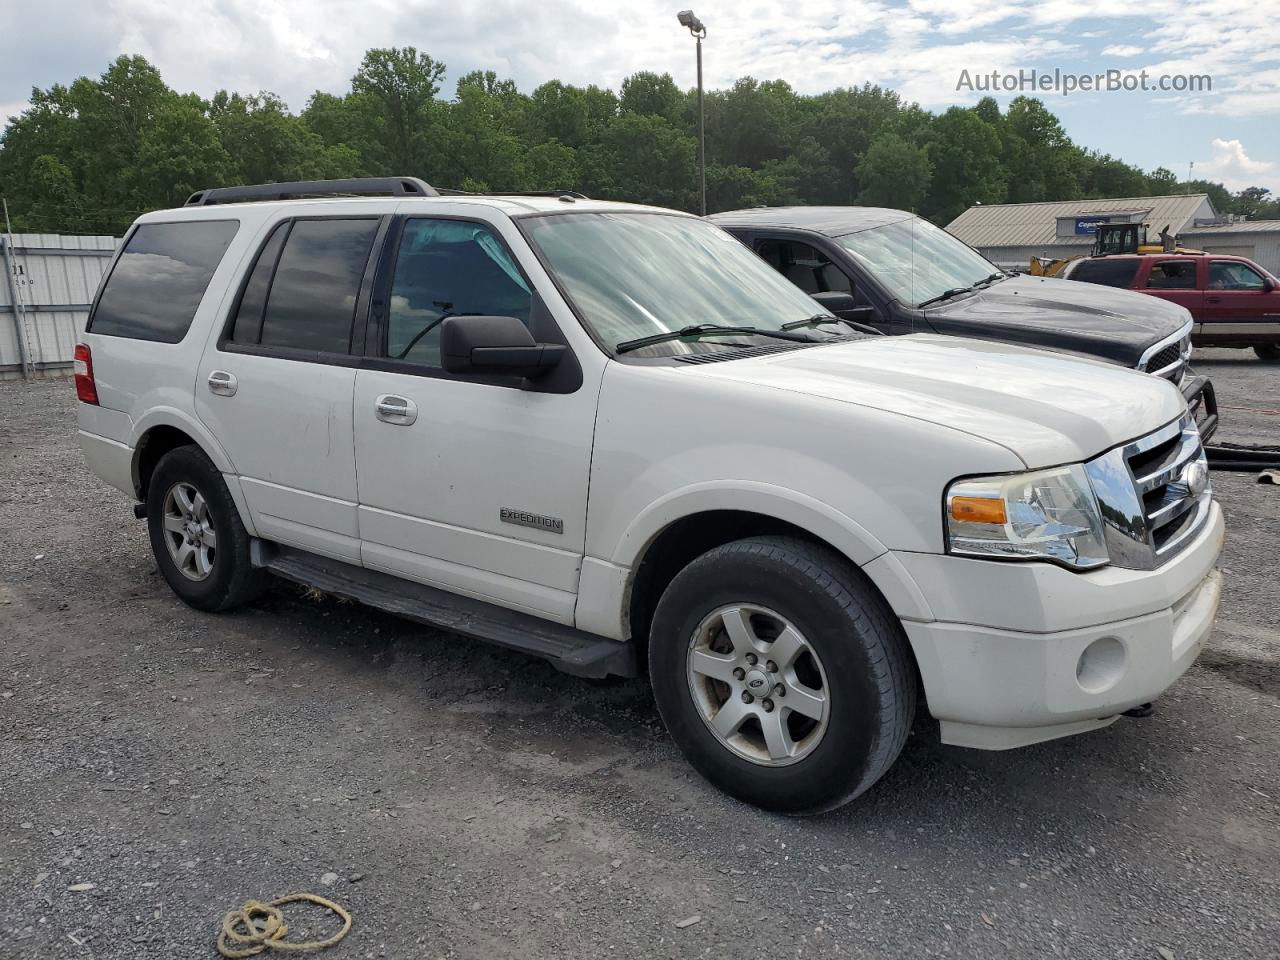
point(90, 156)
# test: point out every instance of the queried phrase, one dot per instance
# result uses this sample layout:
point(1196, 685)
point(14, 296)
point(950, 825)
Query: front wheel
point(1268, 352)
point(781, 674)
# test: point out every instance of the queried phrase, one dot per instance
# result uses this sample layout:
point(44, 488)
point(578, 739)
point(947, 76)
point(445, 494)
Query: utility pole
point(19, 306)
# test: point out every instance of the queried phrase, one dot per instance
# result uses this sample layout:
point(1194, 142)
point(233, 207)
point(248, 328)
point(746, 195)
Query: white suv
point(613, 437)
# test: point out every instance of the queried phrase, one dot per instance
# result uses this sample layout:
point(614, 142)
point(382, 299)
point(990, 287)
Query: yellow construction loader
point(1113, 238)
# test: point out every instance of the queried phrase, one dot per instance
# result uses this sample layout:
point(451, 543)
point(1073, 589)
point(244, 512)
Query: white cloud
point(8, 110)
point(1235, 168)
point(917, 47)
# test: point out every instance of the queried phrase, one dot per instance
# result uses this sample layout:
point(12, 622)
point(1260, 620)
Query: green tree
point(265, 143)
point(894, 173)
point(651, 94)
point(395, 103)
point(965, 152)
point(642, 159)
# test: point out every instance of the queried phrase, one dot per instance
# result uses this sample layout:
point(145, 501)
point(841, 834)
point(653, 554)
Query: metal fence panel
point(54, 278)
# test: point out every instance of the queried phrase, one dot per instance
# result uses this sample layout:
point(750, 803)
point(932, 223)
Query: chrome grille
point(1154, 494)
point(1169, 357)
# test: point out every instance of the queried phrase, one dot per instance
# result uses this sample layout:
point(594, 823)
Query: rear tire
point(1268, 352)
point(825, 706)
point(199, 542)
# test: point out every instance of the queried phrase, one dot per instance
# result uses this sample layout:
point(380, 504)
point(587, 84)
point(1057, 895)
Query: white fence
point(44, 303)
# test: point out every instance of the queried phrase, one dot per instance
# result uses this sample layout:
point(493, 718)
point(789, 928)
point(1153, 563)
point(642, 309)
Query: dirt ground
point(464, 801)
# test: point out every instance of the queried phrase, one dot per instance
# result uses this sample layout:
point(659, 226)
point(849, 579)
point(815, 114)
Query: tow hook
point(1141, 710)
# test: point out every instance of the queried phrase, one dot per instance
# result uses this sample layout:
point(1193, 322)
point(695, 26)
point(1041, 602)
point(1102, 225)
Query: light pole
point(689, 19)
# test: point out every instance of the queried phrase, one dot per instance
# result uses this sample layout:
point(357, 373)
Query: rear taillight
point(86, 389)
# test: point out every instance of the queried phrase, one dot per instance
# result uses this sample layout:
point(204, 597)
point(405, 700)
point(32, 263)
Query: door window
point(808, 268)
point(1172, 275)
point(1107, 271)
point(1230, 275)
point(313, 282)
point(449, 268)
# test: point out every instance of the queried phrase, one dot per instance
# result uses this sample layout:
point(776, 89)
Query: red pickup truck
point(1235, 302)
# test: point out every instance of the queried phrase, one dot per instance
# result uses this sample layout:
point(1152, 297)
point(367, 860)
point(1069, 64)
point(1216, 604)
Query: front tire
point(199, 542)
point(1268, 352)
point(781, 674)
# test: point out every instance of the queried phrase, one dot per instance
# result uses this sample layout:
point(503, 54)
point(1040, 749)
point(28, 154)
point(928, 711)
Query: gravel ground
point(470, 802)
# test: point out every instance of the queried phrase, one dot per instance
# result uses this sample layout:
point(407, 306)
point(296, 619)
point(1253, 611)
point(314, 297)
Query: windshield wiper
point(946, 295)
point(999, 275)
point(820, 318)
point(700, 329)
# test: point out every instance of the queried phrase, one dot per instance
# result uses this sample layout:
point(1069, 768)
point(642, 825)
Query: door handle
point(1214, 299)
point(222, 383)
point(398, 411)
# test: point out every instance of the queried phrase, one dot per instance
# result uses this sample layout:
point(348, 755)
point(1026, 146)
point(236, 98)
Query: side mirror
point(495, 346)
point(844, 305)
point(1268, 284)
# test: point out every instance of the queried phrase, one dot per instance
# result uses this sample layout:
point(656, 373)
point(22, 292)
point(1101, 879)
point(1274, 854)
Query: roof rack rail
point(574, 194)
point(307, 189)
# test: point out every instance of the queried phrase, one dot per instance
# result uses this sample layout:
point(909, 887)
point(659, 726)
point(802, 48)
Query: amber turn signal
point(978, 510)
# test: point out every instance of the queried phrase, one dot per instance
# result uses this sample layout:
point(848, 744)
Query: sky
point(920, 48)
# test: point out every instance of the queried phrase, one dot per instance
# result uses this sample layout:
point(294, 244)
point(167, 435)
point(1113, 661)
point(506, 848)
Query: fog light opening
point(1101, 665)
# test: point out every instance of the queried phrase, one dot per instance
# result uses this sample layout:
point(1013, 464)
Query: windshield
point(633, 275)
point(916, 260)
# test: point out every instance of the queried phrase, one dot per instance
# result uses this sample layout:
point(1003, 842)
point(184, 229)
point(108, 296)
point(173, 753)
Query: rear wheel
point(781, 674)
point(199, 542)
point(1270, 352)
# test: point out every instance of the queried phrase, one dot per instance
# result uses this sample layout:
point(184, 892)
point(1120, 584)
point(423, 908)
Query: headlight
point(1044, 515)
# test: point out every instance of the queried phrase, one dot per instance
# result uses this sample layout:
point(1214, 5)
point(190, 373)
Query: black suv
point(901, 274)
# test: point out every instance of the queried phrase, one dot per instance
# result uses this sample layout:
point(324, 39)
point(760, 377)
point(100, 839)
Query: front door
point(1240, 306)
point(814, 272)
point(276, 389)
point(1176, 281)
point(478, 486)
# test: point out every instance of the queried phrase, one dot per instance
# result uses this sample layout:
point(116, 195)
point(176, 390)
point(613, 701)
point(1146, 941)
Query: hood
point(1045, 408)
point(1087, 318)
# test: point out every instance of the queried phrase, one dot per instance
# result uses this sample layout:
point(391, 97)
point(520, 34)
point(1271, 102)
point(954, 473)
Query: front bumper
point(1202, 404)
point(1026, 652)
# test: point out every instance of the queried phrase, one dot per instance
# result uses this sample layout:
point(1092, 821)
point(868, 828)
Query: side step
point(568, 649)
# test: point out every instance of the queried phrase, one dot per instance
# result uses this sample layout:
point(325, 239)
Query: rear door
point(1240, 306)
point(276, 388)
point(474, 484)
point(1179, 281)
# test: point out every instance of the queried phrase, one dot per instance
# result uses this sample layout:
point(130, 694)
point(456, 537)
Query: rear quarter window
point(160, 278)
point(1109, 273)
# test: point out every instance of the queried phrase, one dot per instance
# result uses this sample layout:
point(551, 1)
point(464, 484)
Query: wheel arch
point(673, 532)
point(164, 429)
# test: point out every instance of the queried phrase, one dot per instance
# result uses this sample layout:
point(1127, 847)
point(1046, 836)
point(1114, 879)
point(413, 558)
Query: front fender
point(822, 520)
point(605, 586)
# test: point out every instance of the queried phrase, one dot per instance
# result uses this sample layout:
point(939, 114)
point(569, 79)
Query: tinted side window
point(1229, 275)
point(806, 267)
point(160, 278)
point(312, 301)
point(1109, 273)
point(449, 268)
point(248, 323)
point(1173, 275)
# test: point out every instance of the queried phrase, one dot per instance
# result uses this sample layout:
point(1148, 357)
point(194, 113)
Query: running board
point(568, 649)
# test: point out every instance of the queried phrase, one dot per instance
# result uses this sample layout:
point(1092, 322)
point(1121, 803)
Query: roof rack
point(573, 194)
point(307, 189)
